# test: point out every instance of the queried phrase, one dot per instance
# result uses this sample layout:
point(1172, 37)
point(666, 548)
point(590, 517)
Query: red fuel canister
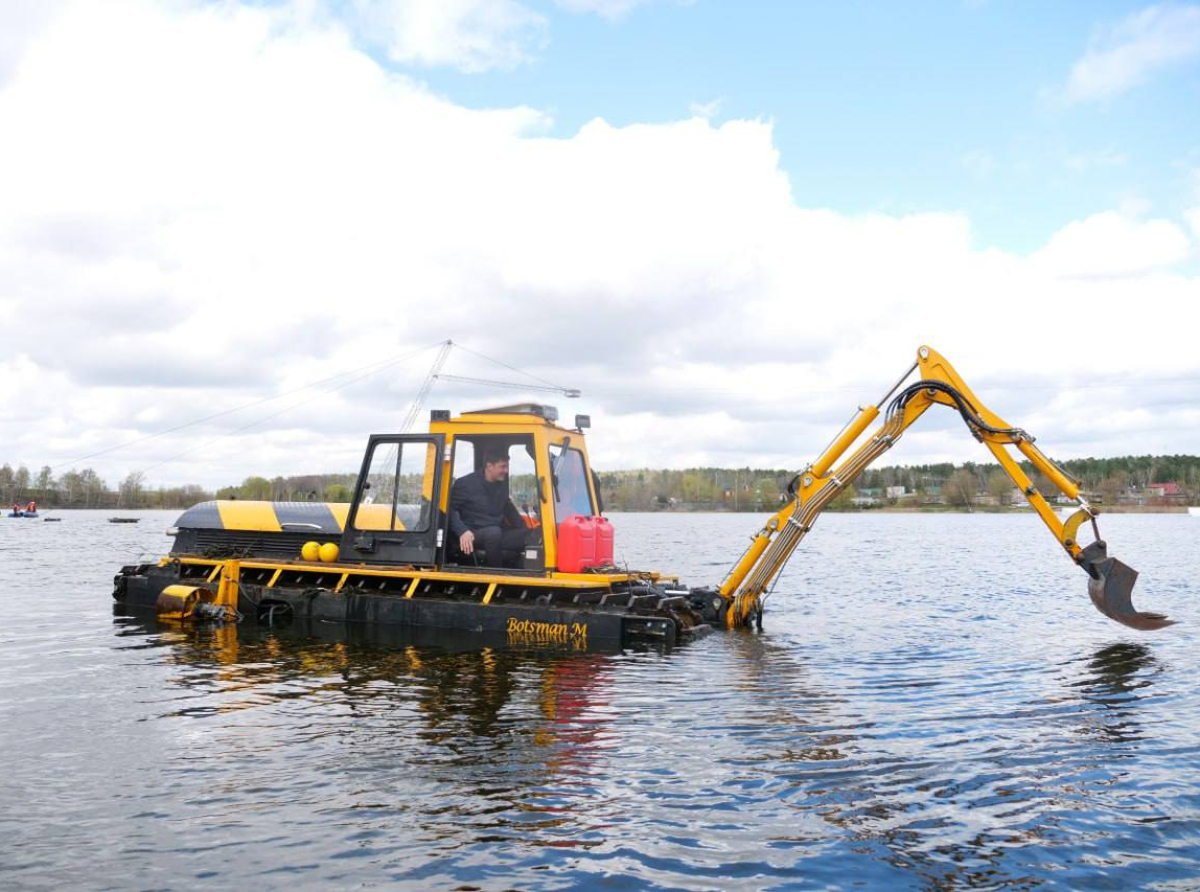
point(604, 542)
point(576, 544)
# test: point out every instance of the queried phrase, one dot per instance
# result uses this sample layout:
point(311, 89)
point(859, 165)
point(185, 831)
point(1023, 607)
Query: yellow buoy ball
point(311, 551)
point(329, 552)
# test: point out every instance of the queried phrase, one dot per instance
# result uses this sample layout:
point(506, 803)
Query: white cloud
point(472, 35)
point(707, 110)
point(1126, 54)
point(1193, 215)
point(1193, 218)
point(1133, 205)
point(609, 9)
point(1100, 158)
point(1110, 244)
point(209, 204)
point(23, 19)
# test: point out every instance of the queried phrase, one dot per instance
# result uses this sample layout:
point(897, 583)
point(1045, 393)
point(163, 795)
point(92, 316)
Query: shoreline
point(926, 509)
point(889, 509)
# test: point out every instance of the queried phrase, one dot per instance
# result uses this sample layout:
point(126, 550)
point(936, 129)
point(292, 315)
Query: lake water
point(934, 703)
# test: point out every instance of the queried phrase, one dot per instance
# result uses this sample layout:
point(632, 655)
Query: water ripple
point(921, 712)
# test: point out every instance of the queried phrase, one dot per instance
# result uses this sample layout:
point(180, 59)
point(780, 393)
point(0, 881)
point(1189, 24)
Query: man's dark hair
point(493, 454)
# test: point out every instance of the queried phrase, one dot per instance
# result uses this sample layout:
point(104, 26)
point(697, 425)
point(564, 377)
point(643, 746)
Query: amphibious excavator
point(388, 557)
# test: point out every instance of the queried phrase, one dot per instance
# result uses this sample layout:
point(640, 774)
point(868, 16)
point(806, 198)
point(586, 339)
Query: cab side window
point(569, 481)
point(398, 488)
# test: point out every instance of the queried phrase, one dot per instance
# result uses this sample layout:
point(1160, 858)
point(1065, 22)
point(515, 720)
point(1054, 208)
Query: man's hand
point(466, 542)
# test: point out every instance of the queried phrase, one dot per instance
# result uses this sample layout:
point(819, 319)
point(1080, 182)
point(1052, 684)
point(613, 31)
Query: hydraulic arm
point(1110, 582)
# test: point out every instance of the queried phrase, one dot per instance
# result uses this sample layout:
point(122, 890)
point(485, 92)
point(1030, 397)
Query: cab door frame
point(564, 440)
point(534, 559)
point(398, 546)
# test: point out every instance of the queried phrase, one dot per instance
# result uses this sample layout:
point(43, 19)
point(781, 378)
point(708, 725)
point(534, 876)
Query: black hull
point(578, 628)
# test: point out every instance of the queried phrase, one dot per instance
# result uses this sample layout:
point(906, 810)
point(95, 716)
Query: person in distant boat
point(482, 517)
point(31, 508)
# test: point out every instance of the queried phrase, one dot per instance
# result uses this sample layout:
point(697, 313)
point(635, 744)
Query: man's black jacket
point(475, 503)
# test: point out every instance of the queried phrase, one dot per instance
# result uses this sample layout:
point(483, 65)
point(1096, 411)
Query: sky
point(233, 234)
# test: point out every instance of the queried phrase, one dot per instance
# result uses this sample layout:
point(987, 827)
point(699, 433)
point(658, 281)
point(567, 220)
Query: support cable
point(375, 367)
point(258, 421)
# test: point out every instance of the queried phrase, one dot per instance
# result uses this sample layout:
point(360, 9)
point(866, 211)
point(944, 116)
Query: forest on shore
point(1108, 481)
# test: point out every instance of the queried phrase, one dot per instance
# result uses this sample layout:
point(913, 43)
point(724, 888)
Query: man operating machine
point(489, 529)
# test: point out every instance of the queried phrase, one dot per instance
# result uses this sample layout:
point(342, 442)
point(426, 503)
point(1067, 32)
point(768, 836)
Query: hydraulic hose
point(779, 551)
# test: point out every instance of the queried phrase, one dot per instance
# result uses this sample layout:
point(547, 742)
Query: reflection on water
point(1116, 671)
point(459, 688)
point(943, 722)
point(1116, 678)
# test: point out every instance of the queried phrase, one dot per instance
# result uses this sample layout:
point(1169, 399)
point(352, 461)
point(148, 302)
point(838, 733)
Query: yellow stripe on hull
point(256, 516)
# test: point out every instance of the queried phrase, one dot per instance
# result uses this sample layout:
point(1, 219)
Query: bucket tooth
point(1110, 586)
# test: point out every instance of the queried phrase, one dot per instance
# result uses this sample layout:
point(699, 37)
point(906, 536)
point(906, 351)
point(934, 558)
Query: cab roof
point(517, 415)
point(539, 410)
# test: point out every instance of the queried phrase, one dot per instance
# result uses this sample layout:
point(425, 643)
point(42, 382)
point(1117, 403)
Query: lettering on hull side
point(527, 631)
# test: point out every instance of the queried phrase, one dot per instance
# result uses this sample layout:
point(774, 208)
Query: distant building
point(1169, 492)
point(1164, 490)
point(895, 492)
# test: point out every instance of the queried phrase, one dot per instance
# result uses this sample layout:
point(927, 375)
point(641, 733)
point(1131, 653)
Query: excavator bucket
point(1110, 587)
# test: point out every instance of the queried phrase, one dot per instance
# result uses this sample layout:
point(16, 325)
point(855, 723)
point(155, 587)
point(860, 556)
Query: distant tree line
point(725, 489)
point(747, 489)
point(1105, 479)
point(733, 489)
point(303, 488)
point(87, 489)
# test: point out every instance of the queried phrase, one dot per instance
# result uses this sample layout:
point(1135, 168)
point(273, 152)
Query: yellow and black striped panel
point(315, 518)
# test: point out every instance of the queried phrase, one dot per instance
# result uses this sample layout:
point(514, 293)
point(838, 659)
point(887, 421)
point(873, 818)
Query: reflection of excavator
point(387, 557)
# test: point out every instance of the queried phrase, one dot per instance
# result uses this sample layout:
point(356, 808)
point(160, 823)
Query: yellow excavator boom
point(1110, 582)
